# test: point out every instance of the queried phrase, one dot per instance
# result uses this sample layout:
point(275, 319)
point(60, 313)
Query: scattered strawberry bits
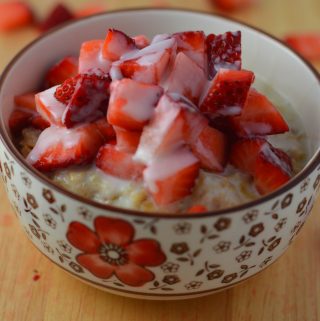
point(146, 112)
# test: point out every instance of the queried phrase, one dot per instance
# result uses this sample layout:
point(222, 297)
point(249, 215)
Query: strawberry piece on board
point(227, 93)
point(117, 163)
point(141, 41)
point(59, 147)
point(171, 178)
point(14, 15)
point(127, 140)
point(223, 51)
point(259, 117)
point(132, 103)
point(197, 209)
point(306, 44)
point(62, 70)
point(26, 101)
point(231, 5)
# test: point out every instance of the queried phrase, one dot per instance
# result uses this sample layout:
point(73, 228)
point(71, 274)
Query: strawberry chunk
point(210, 148)
point(132, 103)
point(141, 41)
point(230, 5)
point(117, 44)
point(186, 78)
point(14, 15)
point(18, 120)
point(273, 169)
point(197, 209)
point(127, 140)
point(171, 178)
point(91, 59)
point(26, 101)
point(223, 51)
point(192, 44)
point(227, 92)
point(118, 163)
point(62, 70)
point(59, 14)
point(86, 98)
point(59, 147)
point(259, 117)
point(38, 122)
point(105, 129)
point(306, 44)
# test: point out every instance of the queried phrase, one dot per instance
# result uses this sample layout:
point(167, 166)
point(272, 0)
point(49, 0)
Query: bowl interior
point(271, 61)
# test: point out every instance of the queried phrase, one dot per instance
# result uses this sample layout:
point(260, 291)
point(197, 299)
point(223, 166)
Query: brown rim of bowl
point(6, 140)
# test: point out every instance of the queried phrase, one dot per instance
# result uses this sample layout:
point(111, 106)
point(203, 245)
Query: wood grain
point(287, 291)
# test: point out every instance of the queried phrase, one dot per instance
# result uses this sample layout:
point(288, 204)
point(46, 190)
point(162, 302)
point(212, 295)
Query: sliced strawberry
point(62, 70)
point(118, 163)
point(186, 78)
point(210, 148)
point(86, 98)
point(117, 44)
point(59, 147)
point(223, 51)
point(18, 120)
point(197, 209)
point(307, 44)
point(192, 44)
point(14, 15)
point(127, 140)
point(49, 107)
point(89, 10)
point(227, 92)
point(171, 178)
point(141, 41)
point(38, 122)
point(273, 169)
point(259, 117)
point(105, 129)
point(91, 59)
point(58, 15)
point(132, 103)
point(26, 101)
point(231, 5)
point(244, 153)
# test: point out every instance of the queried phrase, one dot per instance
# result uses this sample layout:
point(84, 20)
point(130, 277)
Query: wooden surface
point(33, 289)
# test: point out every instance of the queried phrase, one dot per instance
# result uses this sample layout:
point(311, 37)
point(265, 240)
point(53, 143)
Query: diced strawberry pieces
point(105, 129)
point(186, 78)
point(127, 140)
point(171, 178)
point(117, 44)
point(59, 147)
point(117, 163)
point(88, 101)
point(91, 59)
point(306, 44)
point(38, 122)
point(59, 14)
point(227, 92)
point(230, 5)
point(62, 70)
point(259, 117)
point(192, 44)
point(18, 120)
point(26, 101)
point(141, 41)
point(14, 15)
point(132, 103)
point(211, 149)
point(223, 51)
point(197, 209)
point(89, 10)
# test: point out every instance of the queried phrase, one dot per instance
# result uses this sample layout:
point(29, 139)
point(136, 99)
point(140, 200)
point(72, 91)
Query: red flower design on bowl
point(111, 250)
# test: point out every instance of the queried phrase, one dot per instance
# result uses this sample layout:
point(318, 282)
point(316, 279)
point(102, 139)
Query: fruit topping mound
point(156, 112)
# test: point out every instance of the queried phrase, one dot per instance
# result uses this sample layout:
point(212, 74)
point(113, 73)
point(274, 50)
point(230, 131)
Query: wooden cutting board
point(33, 289)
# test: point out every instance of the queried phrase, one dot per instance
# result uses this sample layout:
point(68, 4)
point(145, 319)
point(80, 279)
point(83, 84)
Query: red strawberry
point(26, 101)
point(233, 4)
point(127, 140)
point(59, 14)
point(132, 103)
point(59, 147)
point(192, 44)
point(38, 122)
point(91, 60)
point(118, 163)
point(307, 44)
point(273, 169)
point(259, 117)
point(141, 41)
point(89, 10)
point(171, 178)
point(14, 15)
point(116, 44)
point(186, 78)
point(223, 51)
point(197, 209)
point(86, 97)
point(210, 148)
point(227, 92)
point(105, 129)
point(18, 120)
point(62, 70)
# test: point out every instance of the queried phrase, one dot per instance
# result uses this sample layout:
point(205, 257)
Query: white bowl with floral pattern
point(160, 256)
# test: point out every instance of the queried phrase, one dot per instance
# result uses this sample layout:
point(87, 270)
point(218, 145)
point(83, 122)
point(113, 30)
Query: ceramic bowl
point(158, 256)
